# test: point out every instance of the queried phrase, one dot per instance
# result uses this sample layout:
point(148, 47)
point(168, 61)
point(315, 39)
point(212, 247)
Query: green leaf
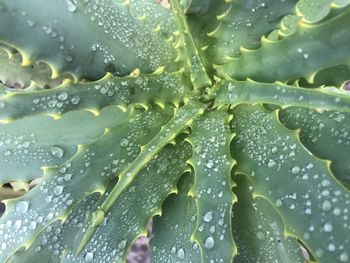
point(235, 25)
point(196, 6)
point(88, 171)
point(123, 225)
point(237, 92)
point(87, 38)
point(139, 89)
point(315, 10)
point(212, 165)
point(171, 232)
point(30, 143)
point(182, 118)
point(333, 76)
point(199, 77)
point(312, 203)
point(311, 48)
point(325, 134)
point(15, 75)
point(259, 230)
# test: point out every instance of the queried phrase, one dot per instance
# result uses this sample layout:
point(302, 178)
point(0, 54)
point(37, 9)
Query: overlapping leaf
point(313, 204)
point(311, 48)
point(87, 38)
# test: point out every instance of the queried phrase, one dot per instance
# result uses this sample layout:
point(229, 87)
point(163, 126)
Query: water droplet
point(210, 164)
point(89, 256)
point(75, 100)
point(32, 225)
point(326, 205)
point(260, 235)
point(7, 153)
point(209, 243)
point(22, 207)
point(68, 58)
point(58, 189)
point(124, 143)
point(278, 203)
point(57, 151)
point(331, 247)
point(208, 216)
point(344, 257)
point(122, 244)
point(295, 169)
point(271, 163)
point(62, 96)
point(328, 227)
point(72, 5)
point(181, 253)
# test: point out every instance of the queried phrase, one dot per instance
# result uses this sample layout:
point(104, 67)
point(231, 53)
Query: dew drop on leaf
point(62, 96)
point(72, 5)
point(209, 243)
point(124, 143)
point(344, 257)
point(89, 256)
point(58, 189)
point(57, 151)
point(295, 169)
point(22, 207)
point(208, 216)
point(181, 253)
point(326, 205)
point(328, 227)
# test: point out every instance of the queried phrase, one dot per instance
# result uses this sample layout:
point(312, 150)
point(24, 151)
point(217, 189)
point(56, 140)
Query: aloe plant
point(227, 122)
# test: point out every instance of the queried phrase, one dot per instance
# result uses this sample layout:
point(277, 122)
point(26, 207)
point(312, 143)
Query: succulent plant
point(226, 122)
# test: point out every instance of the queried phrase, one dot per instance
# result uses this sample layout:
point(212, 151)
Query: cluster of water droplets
point(256, 17)
point(212, 163)
point(314, 206)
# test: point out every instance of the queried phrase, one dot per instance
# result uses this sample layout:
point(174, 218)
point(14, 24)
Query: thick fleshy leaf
point(30, 143)
point(110, 90)
point(193, 57)
point(315, 10)
point(311, 48)
point(333, 76)
point(88, 171)
point(172, 231)
point(312, 203)
point(233, 25)
point(237, 92)
point(212, 165)
point(182, 118)
point(325, 134)
point(123, 225)
point(259, 230)
point(87, 38)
